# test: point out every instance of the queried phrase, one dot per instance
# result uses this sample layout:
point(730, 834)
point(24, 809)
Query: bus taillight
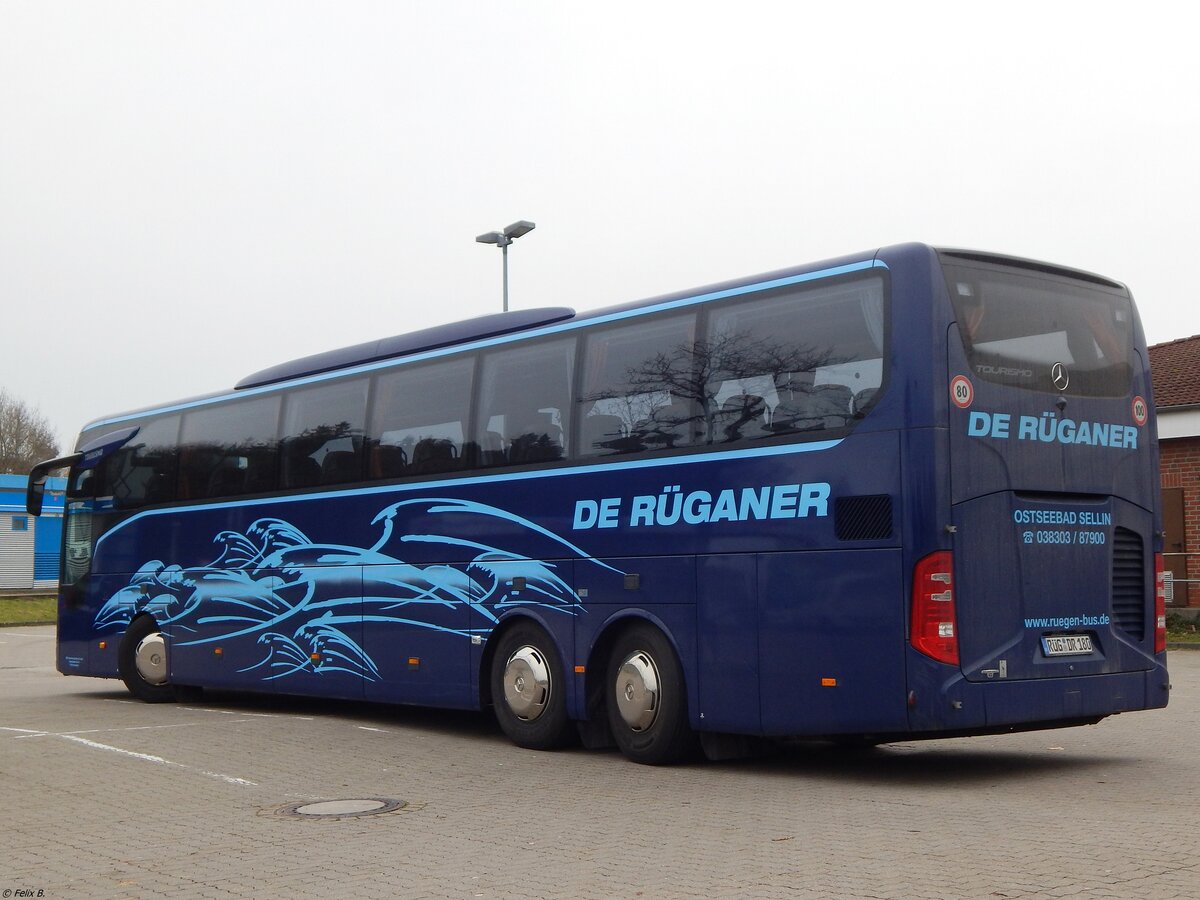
point(933, 620)
point(1160, 605)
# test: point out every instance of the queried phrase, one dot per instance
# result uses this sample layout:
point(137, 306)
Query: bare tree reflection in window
point(686, 386)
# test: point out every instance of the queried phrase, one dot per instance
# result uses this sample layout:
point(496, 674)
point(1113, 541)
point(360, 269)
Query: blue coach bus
point(907, 493)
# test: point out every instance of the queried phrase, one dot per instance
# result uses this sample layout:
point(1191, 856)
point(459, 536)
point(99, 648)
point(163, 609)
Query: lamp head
point(517, 229)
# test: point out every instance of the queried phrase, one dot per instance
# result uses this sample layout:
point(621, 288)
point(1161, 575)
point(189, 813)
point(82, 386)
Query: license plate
point(1067, 644)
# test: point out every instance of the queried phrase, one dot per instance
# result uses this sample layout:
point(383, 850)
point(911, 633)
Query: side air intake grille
point(867, 518)
point(1129, 583)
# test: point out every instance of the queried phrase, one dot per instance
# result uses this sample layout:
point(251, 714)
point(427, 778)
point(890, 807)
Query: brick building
point(1175, 368)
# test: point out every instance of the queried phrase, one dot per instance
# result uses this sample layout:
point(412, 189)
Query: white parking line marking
point(111, 730)
point(229, 712)
point(217, 712)
point(157, 760)
point(145, 757)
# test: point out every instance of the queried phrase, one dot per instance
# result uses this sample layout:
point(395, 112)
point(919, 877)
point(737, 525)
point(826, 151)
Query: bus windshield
point(1017, 324)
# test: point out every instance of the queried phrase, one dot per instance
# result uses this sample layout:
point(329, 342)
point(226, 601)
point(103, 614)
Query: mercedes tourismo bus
point(907, 493)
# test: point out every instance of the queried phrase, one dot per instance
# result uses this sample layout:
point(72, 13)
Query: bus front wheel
point(529, 690)
point(647, 701)
point(142, 661)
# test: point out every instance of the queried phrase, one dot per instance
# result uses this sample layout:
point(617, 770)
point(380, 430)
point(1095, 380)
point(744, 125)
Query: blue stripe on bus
point(504, 339)
point(812, 447)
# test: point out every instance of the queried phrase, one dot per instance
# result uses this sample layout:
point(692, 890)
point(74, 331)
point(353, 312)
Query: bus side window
point(639, 387)
point(793, 362)
point(418, 420)
point(525, 402)
point(143, 471)
point(229, 450)
point(322, 435)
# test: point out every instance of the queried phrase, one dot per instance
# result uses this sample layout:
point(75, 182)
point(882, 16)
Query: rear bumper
point(1086, 697)
point(960, 706)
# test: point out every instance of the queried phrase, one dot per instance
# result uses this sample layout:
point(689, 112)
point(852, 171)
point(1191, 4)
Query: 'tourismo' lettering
point(1048, 428)
point(674, 507)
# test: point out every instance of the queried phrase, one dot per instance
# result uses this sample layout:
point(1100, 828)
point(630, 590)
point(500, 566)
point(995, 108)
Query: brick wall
point(1180, 462)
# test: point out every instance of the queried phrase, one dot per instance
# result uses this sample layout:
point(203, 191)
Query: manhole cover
point(369, 806)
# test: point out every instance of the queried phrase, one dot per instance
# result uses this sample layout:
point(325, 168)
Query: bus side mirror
point(34, 496)
point(36, 490)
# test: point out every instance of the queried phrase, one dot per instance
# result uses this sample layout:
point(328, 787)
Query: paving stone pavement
point(103, 796)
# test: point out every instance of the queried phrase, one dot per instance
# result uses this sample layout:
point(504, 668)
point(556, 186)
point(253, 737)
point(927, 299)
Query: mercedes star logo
point(1058, 374)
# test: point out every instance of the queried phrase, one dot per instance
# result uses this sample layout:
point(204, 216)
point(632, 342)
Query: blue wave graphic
point(298, 600)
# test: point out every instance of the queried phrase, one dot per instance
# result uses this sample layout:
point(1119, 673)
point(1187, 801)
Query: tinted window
point(77, 531)
point(639, 387)
point(795, 361)
point(525, 396)
point(323, 434)
point(229, 449)
point(143, 470)
point(419, 420)
point(1016, 325)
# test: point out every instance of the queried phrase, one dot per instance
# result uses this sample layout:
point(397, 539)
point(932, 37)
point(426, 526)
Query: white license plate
point(1067, 644)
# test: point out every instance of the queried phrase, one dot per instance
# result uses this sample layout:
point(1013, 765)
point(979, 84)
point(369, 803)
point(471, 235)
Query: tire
point(647, 699)
point(142, 662)
point(529, 690)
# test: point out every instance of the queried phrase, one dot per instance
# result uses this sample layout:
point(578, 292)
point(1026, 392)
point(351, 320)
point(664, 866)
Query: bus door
point(84, 517)
point(1052, 477)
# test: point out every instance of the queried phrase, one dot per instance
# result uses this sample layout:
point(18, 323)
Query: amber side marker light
point(828, 682)
point(104, 645)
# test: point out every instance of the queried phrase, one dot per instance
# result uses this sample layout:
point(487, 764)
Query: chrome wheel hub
point(637, 691)
point(527, 683)
point(150, 657)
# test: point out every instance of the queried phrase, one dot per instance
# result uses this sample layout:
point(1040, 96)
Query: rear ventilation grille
point(1129, 583)
point(866, 518)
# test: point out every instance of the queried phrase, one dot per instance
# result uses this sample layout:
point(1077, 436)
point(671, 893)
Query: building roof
point(1175, 371)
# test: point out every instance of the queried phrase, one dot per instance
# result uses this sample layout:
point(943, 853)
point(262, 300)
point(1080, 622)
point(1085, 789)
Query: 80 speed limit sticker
point(1140, 412)
point(961, 391)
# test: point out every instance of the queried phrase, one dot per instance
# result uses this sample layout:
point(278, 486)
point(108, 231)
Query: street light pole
point(504, 253)
point(502, 239)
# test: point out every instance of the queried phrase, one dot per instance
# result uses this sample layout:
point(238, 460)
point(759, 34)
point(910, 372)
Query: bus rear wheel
point(529, 690)
point(647, 700)
point(142, 661)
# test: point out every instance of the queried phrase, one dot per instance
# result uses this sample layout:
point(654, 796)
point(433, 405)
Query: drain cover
point(338, 809)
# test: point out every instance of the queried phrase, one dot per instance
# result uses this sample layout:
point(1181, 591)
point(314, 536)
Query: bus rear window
point(1015, 325)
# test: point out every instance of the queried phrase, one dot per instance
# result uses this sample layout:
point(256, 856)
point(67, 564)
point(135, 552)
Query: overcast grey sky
point(192, 192)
